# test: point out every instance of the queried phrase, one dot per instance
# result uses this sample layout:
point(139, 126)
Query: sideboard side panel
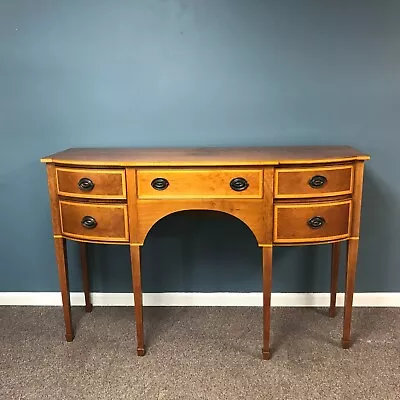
point(55, 212)
point(357, 198)
point(269, 174)
point(131, 190)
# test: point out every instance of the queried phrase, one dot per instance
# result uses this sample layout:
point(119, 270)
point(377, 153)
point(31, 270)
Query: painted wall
point(196, 73)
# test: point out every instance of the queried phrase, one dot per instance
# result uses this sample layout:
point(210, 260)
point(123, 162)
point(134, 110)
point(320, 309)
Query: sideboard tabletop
point(205, 156)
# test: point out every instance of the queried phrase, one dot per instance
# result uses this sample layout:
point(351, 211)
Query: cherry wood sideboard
point(287, 196)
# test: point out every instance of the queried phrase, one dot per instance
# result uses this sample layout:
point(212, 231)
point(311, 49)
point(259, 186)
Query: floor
point(198, 353)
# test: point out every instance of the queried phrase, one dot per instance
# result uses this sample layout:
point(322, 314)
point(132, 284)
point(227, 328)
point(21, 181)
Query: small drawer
point(318, 222)
point(313, 182)
point(101, 222)
point(199, 183)
point(91, 183)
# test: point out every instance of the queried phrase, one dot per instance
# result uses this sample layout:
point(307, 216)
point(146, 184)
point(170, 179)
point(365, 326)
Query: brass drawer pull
point(316, 222)
point(88, 222)
point(159, 183)
point(86, 184)
point(317, 181)
point(239, 184)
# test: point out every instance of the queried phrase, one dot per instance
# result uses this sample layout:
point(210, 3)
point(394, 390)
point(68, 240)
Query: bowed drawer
point(318, 222)
point(91, 183)
point(313, 181)
point(97, 222)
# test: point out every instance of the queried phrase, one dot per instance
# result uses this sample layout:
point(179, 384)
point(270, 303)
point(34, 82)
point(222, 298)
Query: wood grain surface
point(205, 156)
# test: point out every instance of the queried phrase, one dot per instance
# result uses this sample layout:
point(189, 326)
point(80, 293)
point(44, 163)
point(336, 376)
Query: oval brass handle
point(317, 181)
point(88, 222)
point(86, 184)
point(159, 183)
point(239, 184)
point(316, 222)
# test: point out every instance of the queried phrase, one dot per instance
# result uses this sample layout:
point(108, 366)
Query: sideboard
point(287, 196)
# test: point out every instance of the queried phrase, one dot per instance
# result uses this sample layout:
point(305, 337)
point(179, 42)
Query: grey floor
point(198, 353)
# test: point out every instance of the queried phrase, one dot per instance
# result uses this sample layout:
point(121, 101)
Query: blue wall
point(186, 73)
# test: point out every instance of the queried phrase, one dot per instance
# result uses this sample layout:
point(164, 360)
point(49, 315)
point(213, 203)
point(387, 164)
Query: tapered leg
point(85, 276)
point(352, 252)
point(62, 264)
point(137, 292)
point(267, 287)
point(334, 277)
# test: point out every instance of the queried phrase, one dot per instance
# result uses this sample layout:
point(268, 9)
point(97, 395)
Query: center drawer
point(101, 222)
point(318, 222)
point(199, 183)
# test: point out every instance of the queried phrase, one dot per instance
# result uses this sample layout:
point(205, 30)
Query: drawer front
point(199, 183)
point(313, 182)
point(102, 222)
point(300, 223)
point(91, 183)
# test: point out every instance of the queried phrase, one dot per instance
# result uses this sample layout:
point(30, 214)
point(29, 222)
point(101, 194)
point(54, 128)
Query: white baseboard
point(381, 299)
